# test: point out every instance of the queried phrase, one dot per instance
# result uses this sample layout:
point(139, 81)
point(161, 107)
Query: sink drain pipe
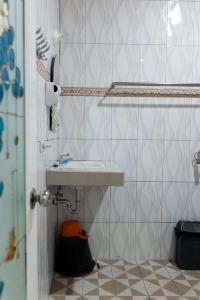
point(58, 199)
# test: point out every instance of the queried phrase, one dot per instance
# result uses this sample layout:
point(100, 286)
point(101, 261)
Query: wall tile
point(72, 68)
point(179, 64)
point(178, 120)
point(175, 201)
point(153, 22)
point(196, 62)
point(99, 21)
point(180, 25)
point(168, 241)
point(97, 150)
point(50, 154)
point(124, 40)
point(126, 22)
point(98, 65)
point(150, 160)
point(152, 63)
point(97, 204)
point(193, 202)
point(73, 20)
point(176, 161)
point(196, 23)
point(195, 115)
point(124, 118)
point(97, 118)
point(74, 147)
point(69, 126)
point(194, 170)
point(123, 202)
point(148, 241)
point(149, 197)
point(151, 118)
point(125, 63)
point(124, 152)
point(122, 240)
point(99, 239)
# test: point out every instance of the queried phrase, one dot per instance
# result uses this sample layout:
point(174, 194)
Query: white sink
point(85, 173)
point(82, 164)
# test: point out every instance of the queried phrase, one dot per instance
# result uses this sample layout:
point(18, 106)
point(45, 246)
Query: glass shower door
point(12, 157)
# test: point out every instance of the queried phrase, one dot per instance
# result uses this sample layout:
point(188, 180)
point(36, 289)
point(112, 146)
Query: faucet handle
point(66, 155)
point(61, 156)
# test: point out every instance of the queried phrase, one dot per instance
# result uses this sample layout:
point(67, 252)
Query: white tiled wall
point(153, 140)
point(48, 20)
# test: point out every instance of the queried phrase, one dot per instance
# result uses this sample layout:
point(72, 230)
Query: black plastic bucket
point(74, 258)
point(188, 245)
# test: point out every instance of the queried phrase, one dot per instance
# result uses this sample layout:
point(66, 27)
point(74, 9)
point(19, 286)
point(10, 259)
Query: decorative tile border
point(132, 92)
point(42, 70)
point(181, 92)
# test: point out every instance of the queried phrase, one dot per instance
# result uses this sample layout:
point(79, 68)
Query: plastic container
point(188, 245)
point(73, 257)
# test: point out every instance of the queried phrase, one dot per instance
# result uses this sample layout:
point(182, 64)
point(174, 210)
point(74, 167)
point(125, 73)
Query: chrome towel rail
point(153, 84)
point(174, 91)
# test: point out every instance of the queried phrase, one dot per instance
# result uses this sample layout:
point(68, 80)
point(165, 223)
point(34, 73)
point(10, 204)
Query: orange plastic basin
point(72, 228)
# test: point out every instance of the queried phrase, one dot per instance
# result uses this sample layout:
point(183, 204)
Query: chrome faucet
point(63, 157)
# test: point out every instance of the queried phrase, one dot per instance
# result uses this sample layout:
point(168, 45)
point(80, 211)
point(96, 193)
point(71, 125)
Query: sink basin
point(81, 165)
point(85, 173)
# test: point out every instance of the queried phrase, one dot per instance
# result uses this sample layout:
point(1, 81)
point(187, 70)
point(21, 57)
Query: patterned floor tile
point(132, 298)
point(57, 298)
point(99, 298)
point(126, 280)
point(58, 288)
point(164, 298)
point(162, 288)
point(73, 298)
point(104, 287)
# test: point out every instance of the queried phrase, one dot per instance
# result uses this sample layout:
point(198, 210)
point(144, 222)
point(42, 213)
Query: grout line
point(130, 44)
point(12, 114)
point(124, 222)
point(139, 139)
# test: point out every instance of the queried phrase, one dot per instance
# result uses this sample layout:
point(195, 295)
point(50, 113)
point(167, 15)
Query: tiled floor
point(120, 279)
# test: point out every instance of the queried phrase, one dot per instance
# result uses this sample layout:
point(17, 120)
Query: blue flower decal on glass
point(1, 188)
point(1, 43)
point(7, 59)
point(5, 40)
point(1, 125)
point(21, 91)
point(5, 78)
point(1, 131)
point(1, 58)
point(1, 93)
point(11, 59)
point(11, 35)
point(17, 75)
point(4, 57)
point(15, 89)
point(1, 288)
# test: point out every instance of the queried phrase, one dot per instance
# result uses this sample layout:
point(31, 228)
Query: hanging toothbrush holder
point(53, 92)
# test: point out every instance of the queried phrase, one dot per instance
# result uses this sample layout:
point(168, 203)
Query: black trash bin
point(188, 245)
point(73, 258)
